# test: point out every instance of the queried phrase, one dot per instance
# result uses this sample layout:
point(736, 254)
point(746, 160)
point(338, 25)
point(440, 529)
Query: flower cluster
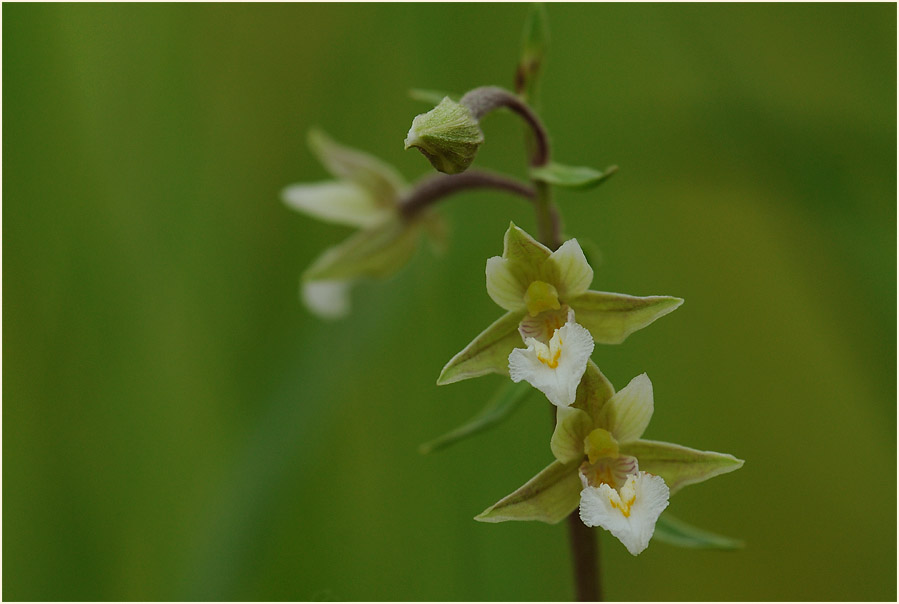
point(620, 481)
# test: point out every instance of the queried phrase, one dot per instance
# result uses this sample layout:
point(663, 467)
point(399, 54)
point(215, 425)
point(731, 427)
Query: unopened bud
point(448, 135)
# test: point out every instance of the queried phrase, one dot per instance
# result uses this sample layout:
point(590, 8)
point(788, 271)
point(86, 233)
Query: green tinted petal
point(677, 465)
point(678, 533)
point(381, 180)
point(613, 317)
point(568, 269)
point(503, 285)
point(377, 252)
point(339, 202)
point(549, 497)
point(487, 353)
point(593, 392)
point(572, 427)
point(518, 246)
point(627, 414)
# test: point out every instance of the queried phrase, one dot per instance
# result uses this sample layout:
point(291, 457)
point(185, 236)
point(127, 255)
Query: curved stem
point(434, 188)
point(482, 101)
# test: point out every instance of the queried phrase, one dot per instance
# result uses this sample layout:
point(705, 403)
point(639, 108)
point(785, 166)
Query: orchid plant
point(604, 473)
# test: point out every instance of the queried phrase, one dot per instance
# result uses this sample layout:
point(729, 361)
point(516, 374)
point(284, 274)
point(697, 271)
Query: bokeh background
point(177, 426)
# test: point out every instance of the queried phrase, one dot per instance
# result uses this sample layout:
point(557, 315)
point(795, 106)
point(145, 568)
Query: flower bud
point(448, 135)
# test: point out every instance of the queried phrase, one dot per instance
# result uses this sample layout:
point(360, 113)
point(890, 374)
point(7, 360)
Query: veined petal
point(630, 513)
point(338, 202)
point(678, 465)
point(327, 299)
point(544, 325)
point(504, 286)
point(613, 472)
point(549, 497)
point(627, 414)
point(613, 317)
point(569, 270)
point(557, 369)
point(487, 353)
point(377, 252)
point(572, 427)
point(593, 392)
point(381, 180)
point(518, 246)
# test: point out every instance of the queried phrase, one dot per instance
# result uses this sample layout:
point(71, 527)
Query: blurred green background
point(177, 426)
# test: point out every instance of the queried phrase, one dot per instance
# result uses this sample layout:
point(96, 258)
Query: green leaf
point(613, 317)
point(679, 466)
point(572, 427)
point(487, 353)
point(549, 497)
point(535, 42)
point(678, 533)
point(498, 408)
point(573, 177)
point(378, 252)
point(431, 97)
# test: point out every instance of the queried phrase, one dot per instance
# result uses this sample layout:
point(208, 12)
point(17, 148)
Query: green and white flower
point(367, 194)
point(537, 287)
point(620, 481)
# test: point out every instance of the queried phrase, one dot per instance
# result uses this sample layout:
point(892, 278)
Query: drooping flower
point(554, 368)
point(538, 287)
point(620, 481)
point(367, 194)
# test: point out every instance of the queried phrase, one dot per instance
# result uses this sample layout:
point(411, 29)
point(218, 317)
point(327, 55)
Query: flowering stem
point(585, 560)
point(485, 99)
point(431, 189)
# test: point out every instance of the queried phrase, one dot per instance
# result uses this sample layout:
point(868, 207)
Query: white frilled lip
point(562, 366)
point(629, 513)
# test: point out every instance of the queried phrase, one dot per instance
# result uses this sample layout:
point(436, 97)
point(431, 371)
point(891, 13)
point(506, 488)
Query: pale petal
point(381, 180)
point(629, 514)
point(503, 285)
point(327, 299)
point(569, 270)
point(376, 252)
point(594, 391)
point(518, 246)
point(627, 414)
point(572, 426)
point(559, 382)
point(338, 202)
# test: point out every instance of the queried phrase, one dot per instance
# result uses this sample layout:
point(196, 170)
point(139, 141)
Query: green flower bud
point(448, 135)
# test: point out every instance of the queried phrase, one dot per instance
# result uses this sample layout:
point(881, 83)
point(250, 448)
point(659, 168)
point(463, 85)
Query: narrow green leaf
point(573, 177)
point(549, 497)
point(611, 318)
point(431, 97)
point(499, 407)
point(678, 533)
point(487, 353)
point(679, 466)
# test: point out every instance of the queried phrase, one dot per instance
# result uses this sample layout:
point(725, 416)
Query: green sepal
point(572, 177)
point(534, 45)
point(677, 465)
point(611, 318)
point(549, 497)
point(593, 392)
point(572, 427)
point(678, 533)
point(499, 407)
point(431, 97)
point(380, 179)
point(377, 252)
point(487, 353)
